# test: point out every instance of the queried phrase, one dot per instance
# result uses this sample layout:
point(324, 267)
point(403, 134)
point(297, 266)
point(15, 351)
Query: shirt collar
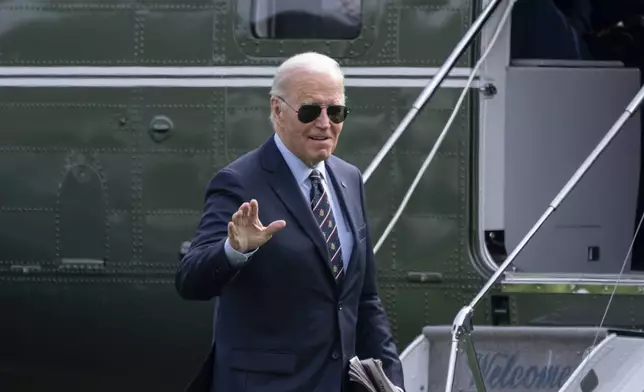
point(300, 170)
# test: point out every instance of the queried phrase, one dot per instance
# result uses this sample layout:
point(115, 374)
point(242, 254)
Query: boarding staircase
point(522, 359)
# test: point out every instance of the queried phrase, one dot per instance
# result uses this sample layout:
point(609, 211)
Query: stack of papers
point(369, 376)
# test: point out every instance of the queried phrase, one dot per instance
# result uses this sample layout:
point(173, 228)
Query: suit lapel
point(341, 182)
point(284, 185)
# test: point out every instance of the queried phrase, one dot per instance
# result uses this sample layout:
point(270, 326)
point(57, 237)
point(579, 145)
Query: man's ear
point(276, 108)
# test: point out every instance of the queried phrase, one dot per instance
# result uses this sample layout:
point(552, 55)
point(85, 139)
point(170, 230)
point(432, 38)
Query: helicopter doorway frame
point(496, 117)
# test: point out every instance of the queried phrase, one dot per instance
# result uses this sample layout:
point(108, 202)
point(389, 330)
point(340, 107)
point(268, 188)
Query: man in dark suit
point(297, 297)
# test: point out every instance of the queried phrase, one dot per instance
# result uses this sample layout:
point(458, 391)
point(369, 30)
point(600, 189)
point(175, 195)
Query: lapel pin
point(343, 185)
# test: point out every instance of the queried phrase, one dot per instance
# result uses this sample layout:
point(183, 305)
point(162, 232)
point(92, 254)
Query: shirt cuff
point(235, 258)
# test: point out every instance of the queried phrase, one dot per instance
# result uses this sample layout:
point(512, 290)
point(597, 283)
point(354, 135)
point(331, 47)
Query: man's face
point(315, 141)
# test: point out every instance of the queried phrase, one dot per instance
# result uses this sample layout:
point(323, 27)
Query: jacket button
point(335, 355)
point(339, 305)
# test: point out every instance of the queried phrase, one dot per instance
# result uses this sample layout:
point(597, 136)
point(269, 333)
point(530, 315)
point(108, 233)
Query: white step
point(614, 365)
point(512, 358)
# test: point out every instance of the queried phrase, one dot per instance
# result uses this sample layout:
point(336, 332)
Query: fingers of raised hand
point(248, 215)
point(254, 210)
point(236, 218)
point(243, 214)
point(240, 218)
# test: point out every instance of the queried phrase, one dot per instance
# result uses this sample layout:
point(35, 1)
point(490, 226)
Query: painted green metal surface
point(94, 207)
point(578, 288)
point(217, 32)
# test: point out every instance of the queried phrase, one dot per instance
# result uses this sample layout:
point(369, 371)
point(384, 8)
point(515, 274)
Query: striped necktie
point(326, 222)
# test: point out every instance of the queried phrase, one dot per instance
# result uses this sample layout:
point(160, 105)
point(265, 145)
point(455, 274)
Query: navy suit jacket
point(283, 324)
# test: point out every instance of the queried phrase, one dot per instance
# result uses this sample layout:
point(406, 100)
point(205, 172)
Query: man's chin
point(319, 156)
point(322, 156)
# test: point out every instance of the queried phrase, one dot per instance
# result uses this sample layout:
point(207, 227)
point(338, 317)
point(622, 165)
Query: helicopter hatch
point(556, 92)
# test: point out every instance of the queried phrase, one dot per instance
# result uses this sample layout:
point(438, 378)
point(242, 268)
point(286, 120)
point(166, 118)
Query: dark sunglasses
point(309, 112)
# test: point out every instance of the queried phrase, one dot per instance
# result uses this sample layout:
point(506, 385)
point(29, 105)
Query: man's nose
point(323, 120)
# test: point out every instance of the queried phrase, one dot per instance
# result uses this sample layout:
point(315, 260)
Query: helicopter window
point(311, 19)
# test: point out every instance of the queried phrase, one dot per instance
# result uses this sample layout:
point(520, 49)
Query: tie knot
point(315, 175)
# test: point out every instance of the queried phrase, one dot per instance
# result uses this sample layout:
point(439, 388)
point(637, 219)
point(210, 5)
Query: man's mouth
point(318, 137)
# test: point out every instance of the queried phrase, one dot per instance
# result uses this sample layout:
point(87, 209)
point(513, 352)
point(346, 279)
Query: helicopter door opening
point(563, 72)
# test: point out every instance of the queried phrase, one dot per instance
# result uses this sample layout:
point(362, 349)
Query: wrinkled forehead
point(316, 89)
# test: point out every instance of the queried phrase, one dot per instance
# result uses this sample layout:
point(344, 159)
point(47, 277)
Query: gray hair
point(309, 61)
